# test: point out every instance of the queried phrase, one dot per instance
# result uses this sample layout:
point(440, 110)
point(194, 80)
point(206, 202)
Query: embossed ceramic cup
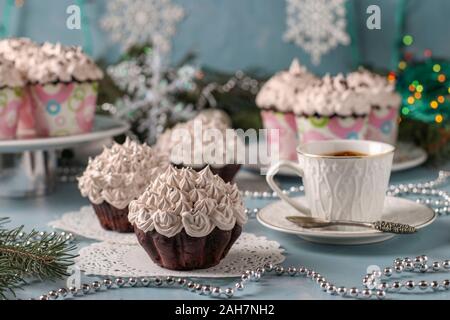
point(340, 187)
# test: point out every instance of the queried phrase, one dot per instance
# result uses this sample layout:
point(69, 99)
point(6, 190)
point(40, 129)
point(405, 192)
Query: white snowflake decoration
point(132, 22)
point(150, 89)
point(317, 26)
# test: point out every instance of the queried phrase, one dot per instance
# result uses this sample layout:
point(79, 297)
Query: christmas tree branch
point(35, 254)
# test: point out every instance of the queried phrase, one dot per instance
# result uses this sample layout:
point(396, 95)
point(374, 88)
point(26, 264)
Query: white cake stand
point(28, 167)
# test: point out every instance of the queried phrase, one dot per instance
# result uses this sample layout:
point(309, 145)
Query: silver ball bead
point(434, 285)
point(354, 292)
point(96, 285)
point(107, 283)
point(366, 293)
point(85, 288)
point(198, 288)
point(324, 286)
point(331, 289)
point(132, 282)
point(53, 295)
point(446, 264)
point(181, 282)
point(436, 266)
point(268, 267)
point(409, 266)
point(381, 294)
point(279, 270)
point(239, 286)
point(396, 286)
point(387, 272)
point(73, 291)
point(170, 281)
point(423, 268)
point(215, 292)
point(302, 271)
point(62, 292)
point(229, 292)
point(245, 277)
point(446, 284)
point(342, 291)
point(398, 268)
point(292, 271)
point(191, 286)
point(44, 297)
point(424, 258)
point(158, 282)
point(256, 276)
point(383, 286)
point(423, 285)
point(410, 284)
point(418, 261)
point(310, 273)
point(120, 282)
point(206, 290)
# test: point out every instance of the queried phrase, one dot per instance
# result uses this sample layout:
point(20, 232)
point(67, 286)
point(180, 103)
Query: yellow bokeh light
point(402, 65)
point(411, 100)
point(419, 88)
point(434, 104)
point(441, 99)
point(439, 118)
point(436, 68)
point(417, 95)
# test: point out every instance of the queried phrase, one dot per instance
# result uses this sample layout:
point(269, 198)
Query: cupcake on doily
point(116, 177)
point(384, 101)
point(188, 220)
point(63, 86)
point(330, 110)
point(12, 98)
point(277, 99)
point(205, 140)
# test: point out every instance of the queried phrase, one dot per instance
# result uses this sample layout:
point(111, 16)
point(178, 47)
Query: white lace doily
point(85, 223)
point(124, 260)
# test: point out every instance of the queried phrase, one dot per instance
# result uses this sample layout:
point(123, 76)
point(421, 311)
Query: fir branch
point(40, 255)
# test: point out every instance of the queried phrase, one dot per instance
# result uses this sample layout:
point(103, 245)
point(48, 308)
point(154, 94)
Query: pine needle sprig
point(41, 255)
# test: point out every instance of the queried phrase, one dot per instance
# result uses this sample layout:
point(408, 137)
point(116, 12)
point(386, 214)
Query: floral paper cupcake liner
point(317, 128)
point(11, 101)
point(64, 108)
point(383, 125)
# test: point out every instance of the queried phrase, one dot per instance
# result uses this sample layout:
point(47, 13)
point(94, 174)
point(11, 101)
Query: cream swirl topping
point(279, 92)
point(205, 140)
point(376, 88)
point(197, 210)
point(332, 95)
point(120, 174)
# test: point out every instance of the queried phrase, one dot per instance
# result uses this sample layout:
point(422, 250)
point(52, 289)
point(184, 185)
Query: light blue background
point(233, 34)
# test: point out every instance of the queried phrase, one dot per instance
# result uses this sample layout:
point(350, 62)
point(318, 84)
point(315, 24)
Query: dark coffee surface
point(346, 154)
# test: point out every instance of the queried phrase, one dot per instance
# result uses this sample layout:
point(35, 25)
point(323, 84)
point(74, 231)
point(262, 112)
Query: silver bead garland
point(377, 284)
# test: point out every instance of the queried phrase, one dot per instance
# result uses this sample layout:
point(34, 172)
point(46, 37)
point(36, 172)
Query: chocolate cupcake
point(116, 177)
point(188, 220)
point(206, 140)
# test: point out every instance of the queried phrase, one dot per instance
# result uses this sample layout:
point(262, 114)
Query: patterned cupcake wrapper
point(287, 130)
point(64, 109)
point(112, 218)
point(383, 125)
point(313, 128)
point(11, 101)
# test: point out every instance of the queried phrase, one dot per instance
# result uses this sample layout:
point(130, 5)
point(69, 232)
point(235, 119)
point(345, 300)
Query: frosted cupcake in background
point(63, 87)
point(20, 51)
point(12, 98)
point(187, 220)
point(384, 101)
point(116, 177)
point(206, 140)
point(330, 110)
point(277, 99)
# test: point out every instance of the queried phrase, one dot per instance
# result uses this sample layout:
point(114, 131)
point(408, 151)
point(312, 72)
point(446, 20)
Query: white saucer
point(104, 127)
point(399, 210)
point(407, 156)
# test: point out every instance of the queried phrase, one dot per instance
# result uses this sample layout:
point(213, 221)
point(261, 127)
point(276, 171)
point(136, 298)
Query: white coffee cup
point(340, 187)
